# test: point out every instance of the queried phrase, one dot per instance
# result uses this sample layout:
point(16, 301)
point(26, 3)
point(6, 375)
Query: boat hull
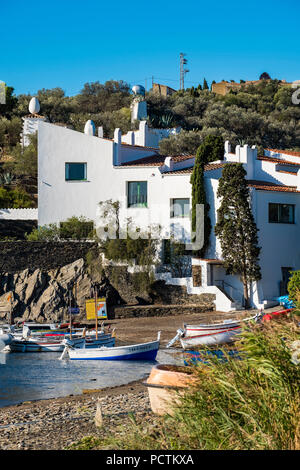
point(36, 346)
point(5, 340)
point(146, 352)
point(210, 338)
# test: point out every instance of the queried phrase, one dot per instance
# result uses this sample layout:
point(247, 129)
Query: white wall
point(279, 242)
point(60, 199)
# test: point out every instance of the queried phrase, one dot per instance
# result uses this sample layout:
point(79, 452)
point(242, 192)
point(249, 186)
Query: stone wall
point(18, 256)
point(40, 276)
point(159, 310)
point(16, 228)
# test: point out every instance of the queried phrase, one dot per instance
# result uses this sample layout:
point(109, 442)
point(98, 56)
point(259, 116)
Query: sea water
point(37, 376)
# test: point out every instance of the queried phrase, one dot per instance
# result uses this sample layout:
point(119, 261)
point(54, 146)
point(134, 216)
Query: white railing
point(18, 214)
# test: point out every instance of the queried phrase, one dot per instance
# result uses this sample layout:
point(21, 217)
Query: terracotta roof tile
point(267, 186)
point(34, 116)
point(208, 167)
point(151, 160)
point(156, 160)
point(277, 160)
point(285, 152)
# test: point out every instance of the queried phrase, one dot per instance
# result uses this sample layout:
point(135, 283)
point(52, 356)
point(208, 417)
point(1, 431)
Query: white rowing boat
point(143, 351)
point(210, 334)
point(5, 339)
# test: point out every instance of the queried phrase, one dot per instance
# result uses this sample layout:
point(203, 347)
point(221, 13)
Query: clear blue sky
point(68, 43)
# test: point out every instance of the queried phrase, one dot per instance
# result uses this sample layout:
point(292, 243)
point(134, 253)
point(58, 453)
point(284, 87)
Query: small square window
point(180, 207)
point(281, 213)
point(137, 194)
point(75, 171)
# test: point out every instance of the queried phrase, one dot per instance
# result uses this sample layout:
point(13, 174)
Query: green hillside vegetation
point(261, 114)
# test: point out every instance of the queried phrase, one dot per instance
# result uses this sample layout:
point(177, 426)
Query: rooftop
point(267, 186)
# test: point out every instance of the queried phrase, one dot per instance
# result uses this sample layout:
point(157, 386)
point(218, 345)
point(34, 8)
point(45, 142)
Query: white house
point(78, 170)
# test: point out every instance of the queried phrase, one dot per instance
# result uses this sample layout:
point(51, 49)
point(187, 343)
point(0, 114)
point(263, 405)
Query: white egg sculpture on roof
point(34, 105)
point(138, 90)
point(89, 127)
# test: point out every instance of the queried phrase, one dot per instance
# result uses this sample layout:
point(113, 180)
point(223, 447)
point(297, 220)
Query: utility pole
point(183, 71)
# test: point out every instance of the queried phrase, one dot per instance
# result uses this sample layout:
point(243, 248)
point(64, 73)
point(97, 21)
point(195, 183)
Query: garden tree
point(177, 258)
point(184, 143)
point(205, 85)
point(54, 104)
point(111, 96)
point(25, 158)
point(211, 149)
point(265, 76)
point(294, 289)
point(15, 199)
point(11, 101)
point(127, 242)
point(199, 197)
point(236, 228)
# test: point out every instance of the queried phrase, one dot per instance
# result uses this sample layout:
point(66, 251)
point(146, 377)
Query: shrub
point(73, 228)
point(15, 199)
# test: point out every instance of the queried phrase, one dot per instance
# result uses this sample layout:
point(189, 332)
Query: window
point(281, 213)
point(180, 207)
point(75, 171)
point(137, 194)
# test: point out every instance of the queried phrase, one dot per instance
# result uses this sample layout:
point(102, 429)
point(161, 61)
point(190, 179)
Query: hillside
point(262, 114)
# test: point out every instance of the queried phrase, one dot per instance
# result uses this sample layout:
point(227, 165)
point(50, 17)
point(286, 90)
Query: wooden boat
point(143, 351)
point(210, 334)
point(26, 343)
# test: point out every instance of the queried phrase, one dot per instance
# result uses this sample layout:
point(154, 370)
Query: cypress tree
point(205, 85)
point(199, 197)
point(236, 227)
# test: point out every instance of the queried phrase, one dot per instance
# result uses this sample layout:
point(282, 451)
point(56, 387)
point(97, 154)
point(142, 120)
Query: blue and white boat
point(135, 352)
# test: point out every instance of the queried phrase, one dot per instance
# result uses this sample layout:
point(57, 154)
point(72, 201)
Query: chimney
point(227, 147)
point(100, 132)
point(117, 146)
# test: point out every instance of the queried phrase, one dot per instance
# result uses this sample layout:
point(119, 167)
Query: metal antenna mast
point(183, 71)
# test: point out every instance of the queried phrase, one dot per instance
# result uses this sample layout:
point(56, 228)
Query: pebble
point(53, 425)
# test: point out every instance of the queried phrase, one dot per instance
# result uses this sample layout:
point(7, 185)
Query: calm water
point(35, 376)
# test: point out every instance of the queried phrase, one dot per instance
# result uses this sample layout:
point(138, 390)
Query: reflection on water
point(35, 376)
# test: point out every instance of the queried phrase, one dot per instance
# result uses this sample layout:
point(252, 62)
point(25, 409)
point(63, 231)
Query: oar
point(180, 333)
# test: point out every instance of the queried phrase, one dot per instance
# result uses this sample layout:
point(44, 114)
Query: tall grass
point(250, 404)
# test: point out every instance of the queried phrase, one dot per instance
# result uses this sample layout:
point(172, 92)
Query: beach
point(57, 423)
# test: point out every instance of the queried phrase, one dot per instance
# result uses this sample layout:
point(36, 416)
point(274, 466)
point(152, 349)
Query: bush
point(73, 228)
point(15, 199)
point(294, 289)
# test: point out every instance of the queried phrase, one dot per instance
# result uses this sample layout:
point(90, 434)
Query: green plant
point(236, 227)
point(206, 149)
point(15, 199)
point(294, 289)
point(76, 228)
point(46, 233)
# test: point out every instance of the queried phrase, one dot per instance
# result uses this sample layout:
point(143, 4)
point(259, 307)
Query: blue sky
point(68, 43)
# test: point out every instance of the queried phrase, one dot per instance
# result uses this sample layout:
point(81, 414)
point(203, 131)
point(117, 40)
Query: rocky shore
point(56, 424)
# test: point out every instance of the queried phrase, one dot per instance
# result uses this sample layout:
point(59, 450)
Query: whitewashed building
point(78, 170)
